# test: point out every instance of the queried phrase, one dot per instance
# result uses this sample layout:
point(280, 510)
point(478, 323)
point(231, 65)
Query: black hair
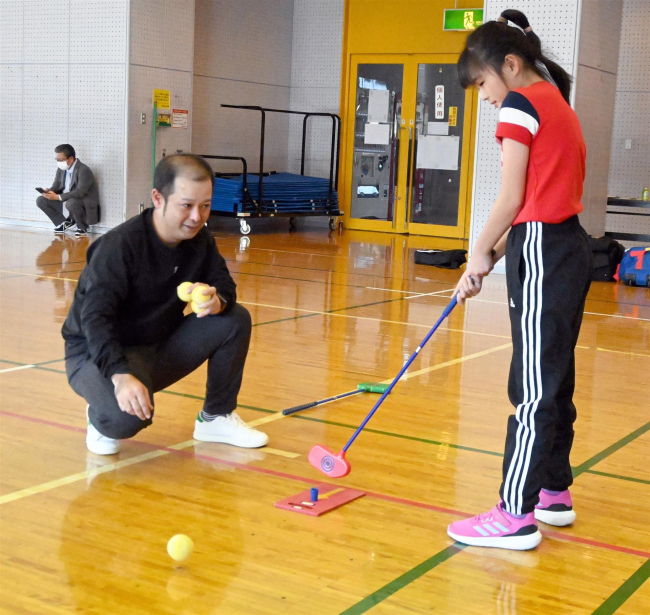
point(488, 46)
point(67, 149)
point(170, 167)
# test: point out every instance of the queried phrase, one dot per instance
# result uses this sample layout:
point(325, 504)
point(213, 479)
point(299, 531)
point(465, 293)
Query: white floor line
point(392, 290)
point(15, 369)
point(590, 313)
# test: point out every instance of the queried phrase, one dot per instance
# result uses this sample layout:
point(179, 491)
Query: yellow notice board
point(163, 98)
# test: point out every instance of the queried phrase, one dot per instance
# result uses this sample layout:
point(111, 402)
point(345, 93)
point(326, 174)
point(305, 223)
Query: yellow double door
point(409, 145)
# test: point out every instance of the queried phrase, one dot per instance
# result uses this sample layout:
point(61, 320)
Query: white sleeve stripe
point(520, 118)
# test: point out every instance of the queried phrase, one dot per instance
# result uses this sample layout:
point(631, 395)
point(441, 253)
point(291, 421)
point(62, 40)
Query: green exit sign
point(462, 19)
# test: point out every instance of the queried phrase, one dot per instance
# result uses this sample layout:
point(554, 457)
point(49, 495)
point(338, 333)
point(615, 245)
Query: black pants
point(221, 340)
point(54, 211)
point(548, 269)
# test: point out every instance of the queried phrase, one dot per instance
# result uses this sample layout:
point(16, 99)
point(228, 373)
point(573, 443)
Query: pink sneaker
point(555, 509)
point(497, 528)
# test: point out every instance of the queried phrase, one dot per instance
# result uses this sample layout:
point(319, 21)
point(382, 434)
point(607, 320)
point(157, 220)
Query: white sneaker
point(98, 444)
point(229, 429)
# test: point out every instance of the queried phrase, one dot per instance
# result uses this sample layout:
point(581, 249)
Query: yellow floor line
point(266, 419)
point(73, 478)
point(38, 275)
point(109, 467)
point(266, 449)
point(433, 368)
point(476, 355)
point(634, 354)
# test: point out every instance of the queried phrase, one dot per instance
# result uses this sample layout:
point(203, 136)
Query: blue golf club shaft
point(448, 309)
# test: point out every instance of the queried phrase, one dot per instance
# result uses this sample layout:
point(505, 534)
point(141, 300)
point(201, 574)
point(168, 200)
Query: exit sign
point(462, 19)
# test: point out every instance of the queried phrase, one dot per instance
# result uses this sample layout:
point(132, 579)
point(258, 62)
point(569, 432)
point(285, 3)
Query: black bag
point(607, 255)
point(447, 259)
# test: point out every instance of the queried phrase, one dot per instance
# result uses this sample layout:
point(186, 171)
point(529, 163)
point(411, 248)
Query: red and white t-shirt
point(540, 118)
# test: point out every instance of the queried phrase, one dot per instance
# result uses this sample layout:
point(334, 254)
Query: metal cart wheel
point(244, 227)
point(332, 224)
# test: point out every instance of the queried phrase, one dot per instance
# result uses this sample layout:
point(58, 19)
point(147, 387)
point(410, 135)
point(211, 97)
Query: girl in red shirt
point(534, 223)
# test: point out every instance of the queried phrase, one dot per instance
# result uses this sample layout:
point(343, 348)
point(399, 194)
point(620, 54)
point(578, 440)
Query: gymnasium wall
point(629, 170)
point(63, 73)
point(595, 94)
point(161, 56)
point(242, 55)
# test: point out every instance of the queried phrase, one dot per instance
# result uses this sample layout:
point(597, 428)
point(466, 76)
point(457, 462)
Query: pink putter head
point(334, 465)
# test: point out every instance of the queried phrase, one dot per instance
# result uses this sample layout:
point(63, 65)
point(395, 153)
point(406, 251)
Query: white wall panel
point(595, 95)
point(46, 31)
point(98, 31)
point(630, 168)
point(11, 31)
point(315, 80)
point(11, 141)
point(236, 132)
point(45, 125)
point(63, 81)
point(242, 57)
point(555, 22)
point(97, 131)
point(247, 40)
point(142, 81)
point(162, 33)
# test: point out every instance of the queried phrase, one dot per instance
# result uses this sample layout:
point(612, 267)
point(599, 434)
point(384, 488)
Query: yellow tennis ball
point(195, 307)
point(198, 294)
point(180, 547)
point(183, 292)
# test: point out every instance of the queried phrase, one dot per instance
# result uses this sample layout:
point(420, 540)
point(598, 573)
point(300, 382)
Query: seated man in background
point(126, 336)
point(75, 189)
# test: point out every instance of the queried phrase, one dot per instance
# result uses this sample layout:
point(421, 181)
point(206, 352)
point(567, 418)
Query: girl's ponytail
point(489, 44)
point(559, 77)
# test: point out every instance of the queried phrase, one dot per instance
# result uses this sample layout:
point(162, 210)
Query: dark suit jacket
point(83, 187)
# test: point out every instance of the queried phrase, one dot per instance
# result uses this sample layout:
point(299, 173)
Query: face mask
point(63, 165)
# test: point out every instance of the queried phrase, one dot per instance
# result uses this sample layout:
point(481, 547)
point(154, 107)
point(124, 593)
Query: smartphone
point(41, 190)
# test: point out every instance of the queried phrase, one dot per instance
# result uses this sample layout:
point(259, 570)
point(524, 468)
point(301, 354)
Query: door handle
point(409, 178)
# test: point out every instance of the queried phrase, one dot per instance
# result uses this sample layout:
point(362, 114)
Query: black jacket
point(126, 294)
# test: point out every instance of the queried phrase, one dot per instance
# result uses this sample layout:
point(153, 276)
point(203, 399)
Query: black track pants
point(548, 269)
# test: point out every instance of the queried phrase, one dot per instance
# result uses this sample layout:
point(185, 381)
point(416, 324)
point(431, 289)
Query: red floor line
point(371, 494)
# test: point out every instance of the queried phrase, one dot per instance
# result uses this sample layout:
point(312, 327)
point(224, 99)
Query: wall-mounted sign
point(179, 118)
point(440, 102)
point(462, 20)
point(163, 98)
point(453, 116)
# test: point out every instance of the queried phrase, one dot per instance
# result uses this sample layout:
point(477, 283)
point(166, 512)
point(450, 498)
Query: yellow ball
point(195, 307)
point(183, 293)
point(198, 295)
point(180, 547)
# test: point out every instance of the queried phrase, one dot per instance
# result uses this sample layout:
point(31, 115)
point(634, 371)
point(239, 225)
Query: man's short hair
point(67, 149)
point(187, 165)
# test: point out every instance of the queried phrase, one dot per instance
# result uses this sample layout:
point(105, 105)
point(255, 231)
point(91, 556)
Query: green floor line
point(392, 434)
point(587, 465)
point(577, 470)
point(50, 369)
point(363, 606)
point(619, 477)
point(616, 600)
point(48, 362)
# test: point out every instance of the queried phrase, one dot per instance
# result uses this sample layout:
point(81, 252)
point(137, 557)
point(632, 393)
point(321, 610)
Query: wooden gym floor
point(87, 534)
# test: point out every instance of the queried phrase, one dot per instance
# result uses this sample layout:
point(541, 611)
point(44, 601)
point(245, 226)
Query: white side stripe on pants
point(531, 360)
